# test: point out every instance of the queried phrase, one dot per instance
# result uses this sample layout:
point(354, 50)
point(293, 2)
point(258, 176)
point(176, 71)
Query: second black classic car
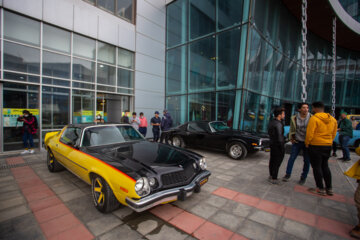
point(217, 136)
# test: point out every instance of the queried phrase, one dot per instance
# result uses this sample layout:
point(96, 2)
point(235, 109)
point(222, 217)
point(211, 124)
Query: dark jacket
point(345, 126)
point(166, 122)
point(276, 132)
point(29, 124)
point(125, 119)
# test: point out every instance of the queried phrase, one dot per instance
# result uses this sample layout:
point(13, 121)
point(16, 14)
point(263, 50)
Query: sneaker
point(321, 192)
point(355, 232)
point(329, 192)
point(31, 151)
point(286, 178)
point(342, 159)
point(302, 181)
point(25, 152)
point(347, 160)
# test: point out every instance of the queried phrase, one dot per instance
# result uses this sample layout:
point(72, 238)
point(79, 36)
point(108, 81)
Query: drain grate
point(8, 166)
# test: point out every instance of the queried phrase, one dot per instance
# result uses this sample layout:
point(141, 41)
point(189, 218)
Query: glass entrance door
point(111, 106)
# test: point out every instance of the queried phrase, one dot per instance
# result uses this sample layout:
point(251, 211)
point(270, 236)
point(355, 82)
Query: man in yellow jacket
point(320, 133)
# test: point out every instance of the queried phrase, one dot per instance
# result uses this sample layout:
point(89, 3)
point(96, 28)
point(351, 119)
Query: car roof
point(85, 125)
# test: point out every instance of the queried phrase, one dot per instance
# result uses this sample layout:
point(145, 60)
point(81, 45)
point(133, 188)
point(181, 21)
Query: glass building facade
point(60, 76)
point(236, 60)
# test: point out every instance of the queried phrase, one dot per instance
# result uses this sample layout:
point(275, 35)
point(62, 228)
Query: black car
point(216, 135)
point(123, 167)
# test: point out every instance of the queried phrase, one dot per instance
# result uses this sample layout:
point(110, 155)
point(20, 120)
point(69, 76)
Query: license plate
point(203, 181)
point(267, 149)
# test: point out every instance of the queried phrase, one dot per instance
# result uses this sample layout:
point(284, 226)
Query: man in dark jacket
point(125, 118)
point(277, 144)
point(345, 134)
point(28, 130)
point(166, 124)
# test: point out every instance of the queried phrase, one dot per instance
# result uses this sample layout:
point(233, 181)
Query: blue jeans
point(344, 141)
point(143, 130)
point(28, 140)
point(295, 149)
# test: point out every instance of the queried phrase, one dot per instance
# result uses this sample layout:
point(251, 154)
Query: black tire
point(52, 164)
point(103, 196)
point(237, 150)
point(178, 141)
point(357, 144)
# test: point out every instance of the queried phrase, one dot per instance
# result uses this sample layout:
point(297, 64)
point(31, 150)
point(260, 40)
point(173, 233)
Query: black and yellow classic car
point(123, 167)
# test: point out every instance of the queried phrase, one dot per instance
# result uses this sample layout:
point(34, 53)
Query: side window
point(195, 127)
point(71, 136)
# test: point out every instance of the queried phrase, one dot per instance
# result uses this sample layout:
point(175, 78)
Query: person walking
point(29, 129)
point(166, 124)
point(345, 134)
point(155, 123)
point(135, 121)
point(297, 134)
point(277, 144)
point(355, 232)
point(320, 134)
point(143, 124)
point(125, 118)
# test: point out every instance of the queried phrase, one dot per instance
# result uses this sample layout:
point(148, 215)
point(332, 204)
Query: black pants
point(319, 157)
point(334, 147)
point(277, 153)
point(156, 133)
point(164, 136)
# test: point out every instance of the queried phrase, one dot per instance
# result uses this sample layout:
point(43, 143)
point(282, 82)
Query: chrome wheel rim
point(176, 141)
point(98, 193)
point(235, 151)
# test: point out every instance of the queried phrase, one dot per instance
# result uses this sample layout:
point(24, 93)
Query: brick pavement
point(236, 203)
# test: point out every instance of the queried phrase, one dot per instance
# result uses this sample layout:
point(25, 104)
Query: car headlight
point(142, 187)
point(152, 181)
point(202, 164)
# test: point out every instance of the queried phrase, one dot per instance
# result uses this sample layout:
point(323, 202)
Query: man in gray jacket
point(297, 134)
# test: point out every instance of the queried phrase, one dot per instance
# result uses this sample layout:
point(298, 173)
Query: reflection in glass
point(202, 107)
point(176, 22)
point(21, 77)
point(125, 58)
point(176, 105)
point(56, 65)
point(21, 58)
point(21, 29)
point(106, 53)
point(83, 85)
point(83, 70)
point(107, 4)
point(176, 70)
point(84, 47)
point(125, 78)
point(229, 13)
point(83, 106)
point(202, 17)
point(202, 65)
point(55, 107)
point(53, 81)
point(225, 107)
point(124, 8)
point(56, 39)
point(106, 74)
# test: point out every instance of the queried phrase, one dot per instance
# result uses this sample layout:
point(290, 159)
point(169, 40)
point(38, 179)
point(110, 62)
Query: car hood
point(144, 158)
point(238, 133)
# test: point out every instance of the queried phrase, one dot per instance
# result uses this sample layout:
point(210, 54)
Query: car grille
point(178, 178)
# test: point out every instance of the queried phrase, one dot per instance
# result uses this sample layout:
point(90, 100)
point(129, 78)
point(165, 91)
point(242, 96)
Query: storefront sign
point(10, 116)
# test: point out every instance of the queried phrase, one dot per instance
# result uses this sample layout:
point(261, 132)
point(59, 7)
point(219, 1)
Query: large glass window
point(83, 70)
point(55, 107)
point(21, 29)
point(106, 74)
point(229, 13)
point(84, 47)
point(176, 70)
point(176, 20)
point(125, 78)
point(106, 53)
point(125, 8)
point(56, 65)
point(83, 106)
point(202, 107)
point(107, 4)
point(125, 58)
point(20, 58)
point(56, 39)
point(177, 106)
point(202, 65)
point(225, 107)
point(202, 17)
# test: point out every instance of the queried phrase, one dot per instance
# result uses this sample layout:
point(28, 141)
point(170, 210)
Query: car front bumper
point(168, 195)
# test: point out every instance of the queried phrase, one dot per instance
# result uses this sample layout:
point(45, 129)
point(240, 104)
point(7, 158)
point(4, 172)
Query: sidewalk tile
point(30, 183)
point(271, 207)
point(300, 216)
point(78, 232)
point(15, 160)
point(44, 203)
point(225, 193)
point(34, 189)
point(238, 237)
point(247, 199)
point(336, 197)
point(210, 231)
point(52, 212)
point(334, 227)
point(34, 196)
point(166, 211)
point(58, 225)
point(187, 222)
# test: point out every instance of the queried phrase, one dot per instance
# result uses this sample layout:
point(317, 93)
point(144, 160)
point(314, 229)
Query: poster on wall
point(10, 116)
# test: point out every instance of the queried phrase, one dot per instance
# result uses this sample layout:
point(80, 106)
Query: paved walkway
point(236, 203)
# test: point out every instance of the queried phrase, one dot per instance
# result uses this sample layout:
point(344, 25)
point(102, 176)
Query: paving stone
point(11, 186)
point(123, 212)
point(216, 201)
point(335, 215)
point(285, 236)
point(84, 209)
point(320, 235)
point(166, 232)
point(204, 210)
point(334, 204)
point(65, 197)
point(144, 222)
point(13, 212)
point(10, 195)
point(8, 203)
point(59, 189)
point(256, 231)
point(208, 188)
point(227, 220)
point(278, 198)
point(265, 218)
point(103, 224)
point(237, 209)
point(224, 177)
point(296, 229)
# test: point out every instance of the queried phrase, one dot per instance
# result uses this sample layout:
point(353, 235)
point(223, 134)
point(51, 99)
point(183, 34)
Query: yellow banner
point(19, 111)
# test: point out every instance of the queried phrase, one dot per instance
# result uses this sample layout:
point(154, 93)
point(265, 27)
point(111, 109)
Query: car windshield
point(219, 126)
point(104, 135)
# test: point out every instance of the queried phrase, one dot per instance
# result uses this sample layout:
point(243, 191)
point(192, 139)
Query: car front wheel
point(103, 196)
point(177, 141)
point(237, 150)
point(52, 164)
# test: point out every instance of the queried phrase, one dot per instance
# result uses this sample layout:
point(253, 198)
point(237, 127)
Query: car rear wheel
point(177, 141)
point(52, 164)
point(237, 150)
point(103, 196)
